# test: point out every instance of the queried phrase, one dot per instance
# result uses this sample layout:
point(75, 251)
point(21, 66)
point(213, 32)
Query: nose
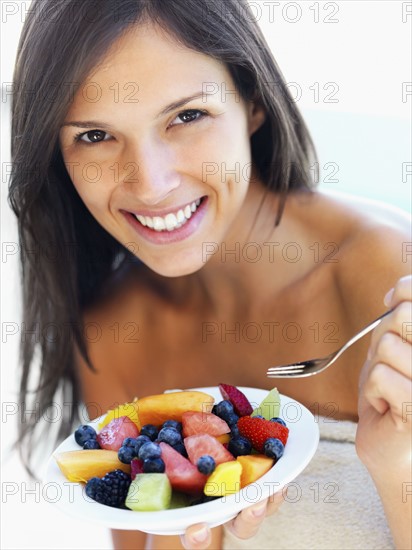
point(151, 176)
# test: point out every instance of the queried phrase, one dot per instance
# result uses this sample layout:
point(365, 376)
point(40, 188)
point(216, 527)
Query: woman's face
point(157, 144)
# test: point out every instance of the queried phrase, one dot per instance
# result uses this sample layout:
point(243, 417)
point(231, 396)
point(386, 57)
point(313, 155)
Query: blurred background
point(348, 66)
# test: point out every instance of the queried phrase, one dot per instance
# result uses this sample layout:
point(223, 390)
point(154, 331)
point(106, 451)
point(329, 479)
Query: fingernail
point(260, 511)
point(388, 297)
point(201, 535)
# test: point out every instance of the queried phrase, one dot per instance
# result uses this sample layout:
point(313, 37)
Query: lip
point(167, 237)
point(165, 211)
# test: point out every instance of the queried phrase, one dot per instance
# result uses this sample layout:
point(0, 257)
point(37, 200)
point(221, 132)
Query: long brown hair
point(66, 256)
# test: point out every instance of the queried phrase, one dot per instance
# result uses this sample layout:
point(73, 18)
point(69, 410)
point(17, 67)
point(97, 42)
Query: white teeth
point(181, 216)
point(159, 224)
point(188, 212)
point(171, 221)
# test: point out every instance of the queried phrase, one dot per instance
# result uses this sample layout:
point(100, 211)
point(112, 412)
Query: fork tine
point(278, 372)
point(286, 368)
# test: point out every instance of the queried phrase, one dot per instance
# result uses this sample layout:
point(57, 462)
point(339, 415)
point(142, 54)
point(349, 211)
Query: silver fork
point(315, 366)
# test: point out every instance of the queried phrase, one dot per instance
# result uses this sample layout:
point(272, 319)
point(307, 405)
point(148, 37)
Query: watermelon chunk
point(203, 423)
point(205, 444)
point(112, 436)
point(182, 474)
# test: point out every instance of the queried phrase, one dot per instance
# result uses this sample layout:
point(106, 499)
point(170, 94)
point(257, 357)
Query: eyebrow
point(175, 105)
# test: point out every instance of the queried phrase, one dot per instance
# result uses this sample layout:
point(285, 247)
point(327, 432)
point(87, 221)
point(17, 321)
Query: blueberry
point(83, 434)
point(234, 431)
point(149, 450)
point(91, 444)
point(273, 448)
point(139, 441)
point(180, 448)
point(169, 436)
point(278, 420)
point(240, 446)
point(173, 424)
point(232, 419)
point(223, 409)
point(126, 454)
point(153, 466)
point(206, 464)
point(258, 416)
point(129, 442)
point(150, 430)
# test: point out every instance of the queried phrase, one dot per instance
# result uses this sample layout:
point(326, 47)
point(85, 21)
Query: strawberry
point(258, 430)
point(238, 399)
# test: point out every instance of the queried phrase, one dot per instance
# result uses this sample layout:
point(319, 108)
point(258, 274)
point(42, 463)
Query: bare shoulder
point(375, 249)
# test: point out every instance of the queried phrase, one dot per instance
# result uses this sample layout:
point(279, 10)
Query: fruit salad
point(176, 449)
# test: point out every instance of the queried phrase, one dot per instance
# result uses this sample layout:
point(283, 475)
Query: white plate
point(300, 448)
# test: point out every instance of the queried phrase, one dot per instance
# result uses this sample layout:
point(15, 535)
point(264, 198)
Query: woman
point(161, 170)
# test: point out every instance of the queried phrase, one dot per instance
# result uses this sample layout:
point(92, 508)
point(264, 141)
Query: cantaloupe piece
point(156, 409)
point(80, 466)
point(253, 467)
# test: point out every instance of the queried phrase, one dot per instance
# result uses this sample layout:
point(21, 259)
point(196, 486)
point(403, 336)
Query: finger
point(388, 390)
point(247, 523)
point(196, 537)
point(398, 322)
point(400, 292)
point(274, 503)
point(394, 351)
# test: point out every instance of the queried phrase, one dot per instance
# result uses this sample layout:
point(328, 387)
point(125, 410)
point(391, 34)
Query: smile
point(170, 222)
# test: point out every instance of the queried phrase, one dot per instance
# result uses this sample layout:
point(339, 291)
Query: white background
point(364, 56)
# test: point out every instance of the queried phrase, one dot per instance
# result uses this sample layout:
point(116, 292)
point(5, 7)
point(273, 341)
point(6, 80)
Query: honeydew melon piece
point(270, 406)
point(149, 493)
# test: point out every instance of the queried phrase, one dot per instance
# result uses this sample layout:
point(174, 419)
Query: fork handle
point(362, 333)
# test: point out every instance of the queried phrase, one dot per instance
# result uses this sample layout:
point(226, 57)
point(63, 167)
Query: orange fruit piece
point(80, 466)
point(156, 409)
point(253, 467)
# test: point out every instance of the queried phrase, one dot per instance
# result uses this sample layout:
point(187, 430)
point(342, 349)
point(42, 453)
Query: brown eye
point(188, 116)
point(94, 136)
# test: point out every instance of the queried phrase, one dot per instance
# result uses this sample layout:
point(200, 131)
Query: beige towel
point(333, 504)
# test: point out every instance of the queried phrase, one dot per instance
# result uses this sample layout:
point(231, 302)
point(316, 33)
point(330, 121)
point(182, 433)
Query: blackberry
point(170, 436)
point(239, 446)
point(173, 424)
point(150, 430)
point(278, 420)
point(110, 490)
point(91, 444)
point(83, 434)
point(206, 464)
point(153, 466)
point(273, 448)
